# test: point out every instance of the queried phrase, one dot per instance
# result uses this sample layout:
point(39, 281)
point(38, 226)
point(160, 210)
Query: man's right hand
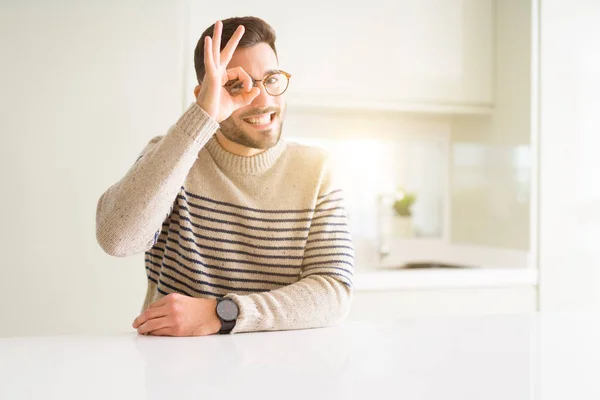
point(213, 97)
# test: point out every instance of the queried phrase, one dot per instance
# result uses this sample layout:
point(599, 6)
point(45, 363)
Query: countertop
point(539, 356)
point(443, 278)
point(485, 267)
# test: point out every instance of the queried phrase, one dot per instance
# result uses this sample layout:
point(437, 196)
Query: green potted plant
point(403, 223)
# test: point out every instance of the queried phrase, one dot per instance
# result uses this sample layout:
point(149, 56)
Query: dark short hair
point(256, 31)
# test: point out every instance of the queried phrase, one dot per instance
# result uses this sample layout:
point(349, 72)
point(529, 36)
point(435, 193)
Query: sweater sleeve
point(323, 294)
point(131, 211)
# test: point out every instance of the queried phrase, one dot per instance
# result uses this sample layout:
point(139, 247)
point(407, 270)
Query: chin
point(261, 140)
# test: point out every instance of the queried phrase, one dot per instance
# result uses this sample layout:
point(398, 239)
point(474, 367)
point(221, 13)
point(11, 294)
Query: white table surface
point(503, 357)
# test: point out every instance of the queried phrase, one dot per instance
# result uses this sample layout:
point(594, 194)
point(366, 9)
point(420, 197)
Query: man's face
point(257, 125)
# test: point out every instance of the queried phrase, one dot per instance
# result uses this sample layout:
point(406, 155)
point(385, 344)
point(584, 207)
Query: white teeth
point(262, 120)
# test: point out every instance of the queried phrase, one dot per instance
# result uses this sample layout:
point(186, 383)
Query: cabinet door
point(415, 51)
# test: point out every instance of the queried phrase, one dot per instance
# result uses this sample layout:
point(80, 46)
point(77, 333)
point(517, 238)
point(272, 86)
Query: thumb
point(246, 98)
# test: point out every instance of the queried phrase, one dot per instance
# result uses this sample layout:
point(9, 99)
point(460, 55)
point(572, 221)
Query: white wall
point(84, 85)
point(570, 161)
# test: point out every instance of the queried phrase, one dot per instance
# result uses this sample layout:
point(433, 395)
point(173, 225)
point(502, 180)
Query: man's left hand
point(179, 315)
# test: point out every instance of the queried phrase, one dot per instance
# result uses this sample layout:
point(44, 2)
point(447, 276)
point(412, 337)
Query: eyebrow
point(271, 71)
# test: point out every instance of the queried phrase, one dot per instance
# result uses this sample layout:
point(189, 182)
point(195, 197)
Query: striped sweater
point(268, 231)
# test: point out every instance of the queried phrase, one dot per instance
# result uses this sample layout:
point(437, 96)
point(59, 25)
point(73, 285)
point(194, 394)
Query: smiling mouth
point(260, 121)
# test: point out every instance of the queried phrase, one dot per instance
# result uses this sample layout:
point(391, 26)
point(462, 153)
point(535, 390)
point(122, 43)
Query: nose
point(263, 97)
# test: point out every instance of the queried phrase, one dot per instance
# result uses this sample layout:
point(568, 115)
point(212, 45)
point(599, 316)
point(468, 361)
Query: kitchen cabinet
point(443, 292)
point(418, 55)
point(475, 58)
point(393, 304)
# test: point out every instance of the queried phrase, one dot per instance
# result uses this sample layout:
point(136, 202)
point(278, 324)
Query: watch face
point(227, 310)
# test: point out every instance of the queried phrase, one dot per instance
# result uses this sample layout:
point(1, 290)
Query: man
point(242, 231)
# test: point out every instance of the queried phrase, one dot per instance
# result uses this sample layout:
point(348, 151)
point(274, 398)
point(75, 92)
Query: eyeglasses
point(275, 84)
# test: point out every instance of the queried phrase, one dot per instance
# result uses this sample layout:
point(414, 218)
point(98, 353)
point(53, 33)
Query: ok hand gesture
point(213, 97)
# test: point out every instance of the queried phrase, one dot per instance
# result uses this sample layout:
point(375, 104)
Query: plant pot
point(402, 227)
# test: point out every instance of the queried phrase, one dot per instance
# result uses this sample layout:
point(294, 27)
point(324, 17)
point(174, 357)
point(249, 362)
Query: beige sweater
point(268, 231)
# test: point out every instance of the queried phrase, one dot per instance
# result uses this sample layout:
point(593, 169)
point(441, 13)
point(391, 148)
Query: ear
point(197, 90)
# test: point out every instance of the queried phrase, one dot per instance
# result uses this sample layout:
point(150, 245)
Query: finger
point(209, 64)
point(227, 52)
point(246, 98)
point(216, 39)
point(162, 332)
point(238, 73)
point(153, 324)
point(149, 314)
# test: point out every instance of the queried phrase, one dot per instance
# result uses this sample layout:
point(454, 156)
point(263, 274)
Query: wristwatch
point(227, 312)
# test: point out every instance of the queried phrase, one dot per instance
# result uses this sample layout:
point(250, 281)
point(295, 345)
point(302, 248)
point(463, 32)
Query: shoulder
point(315, 164)
point(307, 155)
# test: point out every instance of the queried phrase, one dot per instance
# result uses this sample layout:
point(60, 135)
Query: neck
point(236, 148)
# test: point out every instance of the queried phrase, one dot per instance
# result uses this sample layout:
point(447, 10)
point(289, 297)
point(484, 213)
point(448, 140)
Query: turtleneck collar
point(241, 164)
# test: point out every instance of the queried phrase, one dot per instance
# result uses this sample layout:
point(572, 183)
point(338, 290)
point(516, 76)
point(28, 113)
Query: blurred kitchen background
point(464, 133)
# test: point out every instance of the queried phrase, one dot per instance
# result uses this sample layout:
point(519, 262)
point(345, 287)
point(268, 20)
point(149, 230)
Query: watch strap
point(226, 327)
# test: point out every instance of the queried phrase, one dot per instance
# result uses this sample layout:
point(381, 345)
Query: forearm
point(313, 302)
point(131, 211)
